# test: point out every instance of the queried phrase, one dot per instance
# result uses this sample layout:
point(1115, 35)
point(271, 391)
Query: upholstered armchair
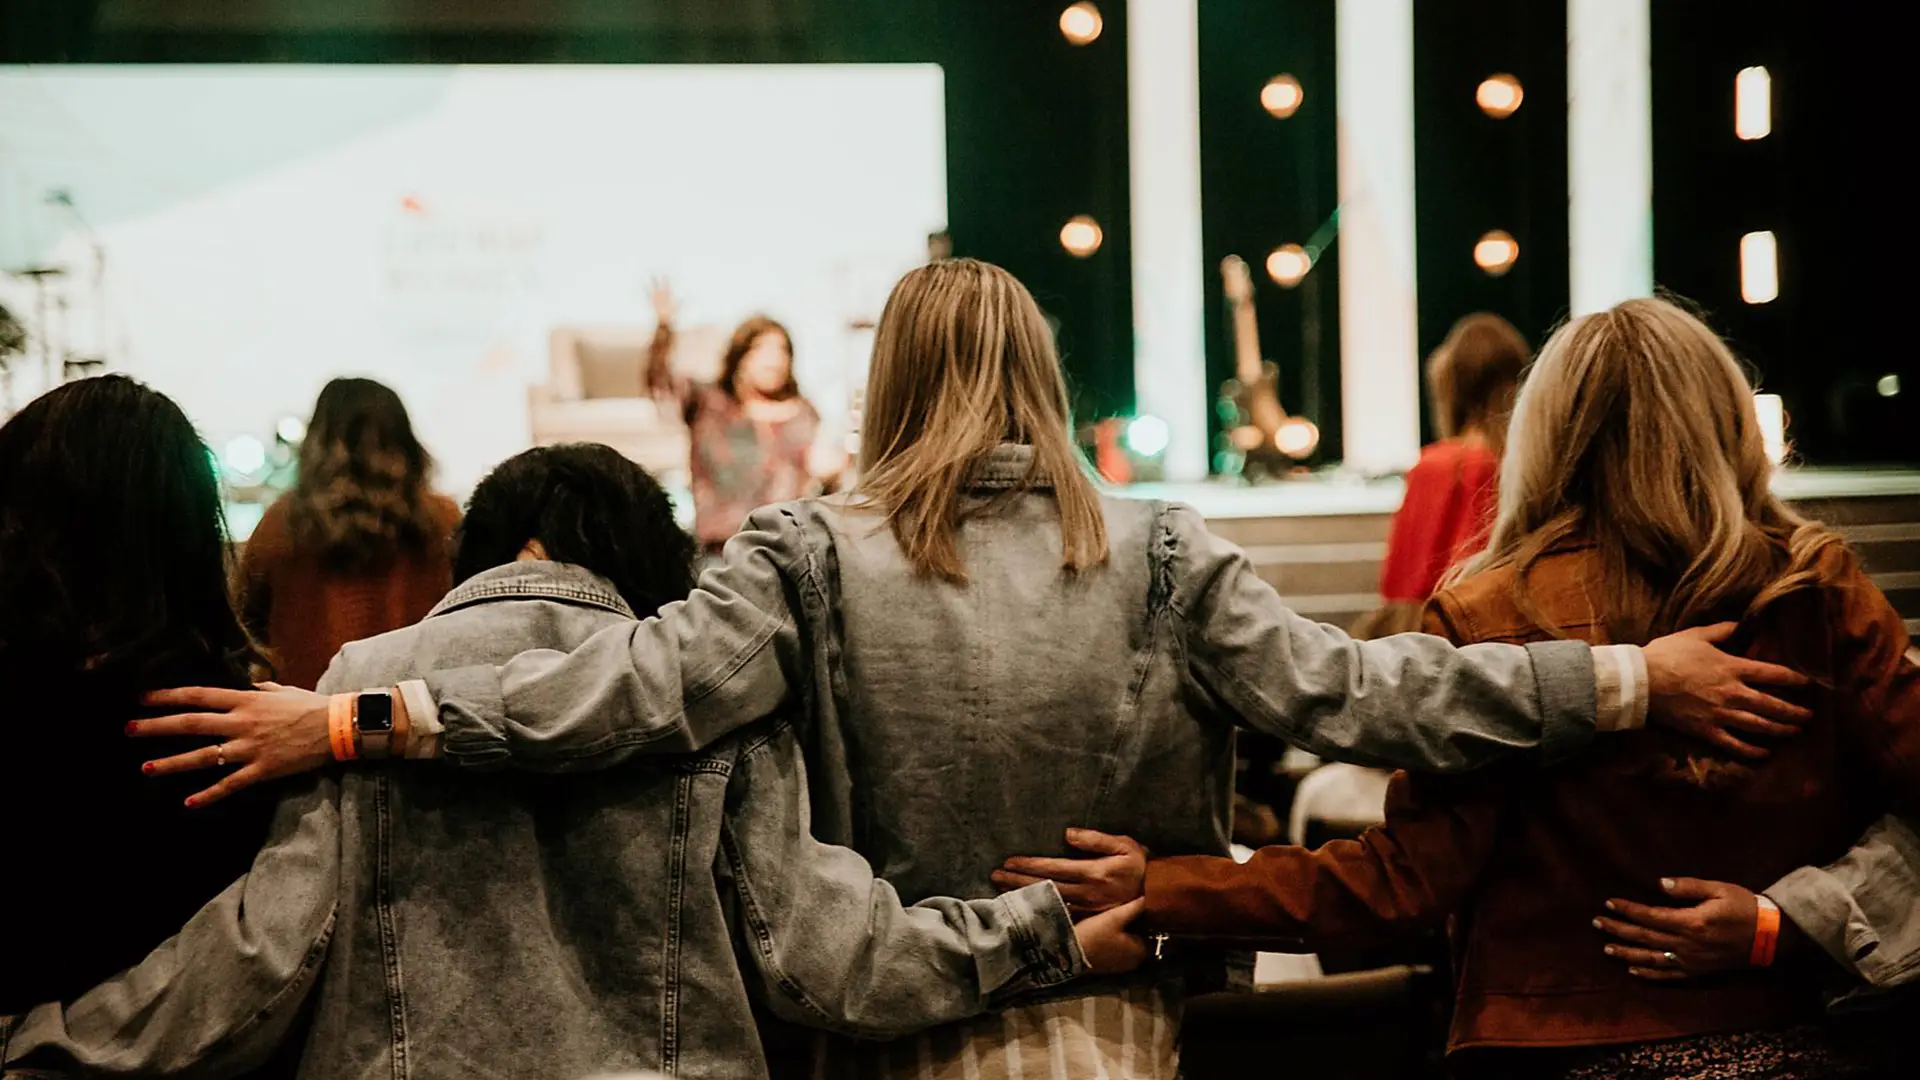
point(596, 392)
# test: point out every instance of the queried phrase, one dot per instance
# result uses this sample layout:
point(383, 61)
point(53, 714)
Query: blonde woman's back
point(968, 723)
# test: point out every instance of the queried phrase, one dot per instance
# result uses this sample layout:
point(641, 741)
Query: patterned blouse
point(737, 464)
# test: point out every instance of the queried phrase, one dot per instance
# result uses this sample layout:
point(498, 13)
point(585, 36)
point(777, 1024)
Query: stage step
point(1327, 566)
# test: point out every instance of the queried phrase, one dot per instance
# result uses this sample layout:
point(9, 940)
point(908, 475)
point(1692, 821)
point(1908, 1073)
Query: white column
point(1609, 152)
point(1169, 332)
point(1379, 344)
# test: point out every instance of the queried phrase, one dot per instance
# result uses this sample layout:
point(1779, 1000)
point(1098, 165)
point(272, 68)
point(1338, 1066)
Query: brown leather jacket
point(1522, 861)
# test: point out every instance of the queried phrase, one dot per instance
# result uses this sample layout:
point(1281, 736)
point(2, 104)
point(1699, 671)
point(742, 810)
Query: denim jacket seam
point(763, 934)
point(316, 952)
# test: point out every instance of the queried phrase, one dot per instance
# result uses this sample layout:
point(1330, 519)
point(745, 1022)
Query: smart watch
point(373, 723)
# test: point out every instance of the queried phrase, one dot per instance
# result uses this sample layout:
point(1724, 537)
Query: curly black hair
point(589, 506)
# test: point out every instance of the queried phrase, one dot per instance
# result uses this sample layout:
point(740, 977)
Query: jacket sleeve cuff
point(1049, 951)
point(1565, 673)
point(470, 708)
point(1619, 688)
point(424, 729)
point(1824, 910)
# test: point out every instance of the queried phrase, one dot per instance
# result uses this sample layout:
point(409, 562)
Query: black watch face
point(376, 713)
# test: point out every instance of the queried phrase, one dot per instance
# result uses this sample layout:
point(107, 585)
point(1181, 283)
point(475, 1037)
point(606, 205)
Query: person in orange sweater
point(1635, 501)
point(1451, 492)
point(360, 546)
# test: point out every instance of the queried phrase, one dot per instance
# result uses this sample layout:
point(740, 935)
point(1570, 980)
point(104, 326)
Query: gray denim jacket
point(947, 727)
point(528, 926)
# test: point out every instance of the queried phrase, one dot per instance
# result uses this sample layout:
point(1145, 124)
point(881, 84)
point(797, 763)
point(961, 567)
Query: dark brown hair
point(113, 547)
point(741, 343)
point(362, 495)
point(1473, 375)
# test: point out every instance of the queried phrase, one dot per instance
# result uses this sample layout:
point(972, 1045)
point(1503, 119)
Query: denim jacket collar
point(1008, 465)
point(535, 580)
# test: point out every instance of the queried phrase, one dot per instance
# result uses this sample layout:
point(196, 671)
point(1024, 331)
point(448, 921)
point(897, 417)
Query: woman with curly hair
point(360, 545)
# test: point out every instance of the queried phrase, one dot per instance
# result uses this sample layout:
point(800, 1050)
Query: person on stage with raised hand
point(753, 438)
point(987, 650)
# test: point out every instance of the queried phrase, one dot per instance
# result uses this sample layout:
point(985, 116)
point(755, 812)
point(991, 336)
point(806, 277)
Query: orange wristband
point(340, 726)
point(1766, 933)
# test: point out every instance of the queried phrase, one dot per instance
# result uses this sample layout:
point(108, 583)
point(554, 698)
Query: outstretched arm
point(828, 944)
point(215, 999)
point(728, 655)
point(1414, 701)
point(1401, 877)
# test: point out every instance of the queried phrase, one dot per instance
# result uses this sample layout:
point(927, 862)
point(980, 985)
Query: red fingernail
point(133, 727)
point(147, 768)
point(193, 801)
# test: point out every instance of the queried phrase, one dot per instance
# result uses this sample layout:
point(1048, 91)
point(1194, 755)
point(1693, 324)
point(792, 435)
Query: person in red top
point(1451, 492)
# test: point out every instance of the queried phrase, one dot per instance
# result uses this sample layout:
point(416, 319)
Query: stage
point(1319, 539)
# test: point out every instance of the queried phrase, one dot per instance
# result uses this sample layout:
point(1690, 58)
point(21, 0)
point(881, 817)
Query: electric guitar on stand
point(1264, 439)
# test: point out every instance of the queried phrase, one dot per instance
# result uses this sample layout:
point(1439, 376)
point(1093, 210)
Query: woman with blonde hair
point(1634, 502)
point(982, 650)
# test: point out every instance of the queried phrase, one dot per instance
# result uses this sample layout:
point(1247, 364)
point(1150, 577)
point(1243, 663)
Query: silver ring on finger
point(1671, 959)
point(220, 755)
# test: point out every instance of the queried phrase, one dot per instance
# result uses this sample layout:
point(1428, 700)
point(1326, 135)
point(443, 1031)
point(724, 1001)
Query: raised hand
point(1115, 876)
point(665, 305)
point(1714, 696)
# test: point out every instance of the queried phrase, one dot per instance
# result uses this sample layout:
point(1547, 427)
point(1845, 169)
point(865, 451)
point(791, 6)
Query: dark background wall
point(1265, 182)
point(1036, 128)
point(1832, 185)
point(1474, 173)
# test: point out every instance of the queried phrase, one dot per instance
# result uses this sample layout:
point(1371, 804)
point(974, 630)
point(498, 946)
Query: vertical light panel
point(1759, 268)
point(1163, 104)
point(1753, 104)
point(1609, 152)
point(1379, 361)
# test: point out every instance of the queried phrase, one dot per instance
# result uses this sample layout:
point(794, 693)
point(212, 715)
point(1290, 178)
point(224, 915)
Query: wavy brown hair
point(363, 495)
point(962, 362)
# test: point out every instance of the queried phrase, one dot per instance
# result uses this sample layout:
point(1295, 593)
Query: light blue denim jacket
point(947, 727)
point(519, 926)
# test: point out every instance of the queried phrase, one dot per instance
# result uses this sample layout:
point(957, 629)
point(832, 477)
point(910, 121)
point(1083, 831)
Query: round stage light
point(245, 455)
point(1288, 264)
point(291, 429)
point(1148, 436)
point(1496, 252)
point(1282, 96)
point(1296, 438)
point(1081, 236)
point(1499, 96)
point(1081, 23)
point(1888, 386)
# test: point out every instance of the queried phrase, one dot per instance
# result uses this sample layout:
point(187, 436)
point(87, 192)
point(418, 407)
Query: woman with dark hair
point(580, 503)
point(754, 439)
point(113, 582)
point(360, 545)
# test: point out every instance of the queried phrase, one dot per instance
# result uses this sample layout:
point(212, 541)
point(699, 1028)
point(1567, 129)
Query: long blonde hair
point(1635, 431)
point(962, 362)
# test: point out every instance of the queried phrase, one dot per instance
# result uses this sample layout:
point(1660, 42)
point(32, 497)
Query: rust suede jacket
point(1518, 862)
